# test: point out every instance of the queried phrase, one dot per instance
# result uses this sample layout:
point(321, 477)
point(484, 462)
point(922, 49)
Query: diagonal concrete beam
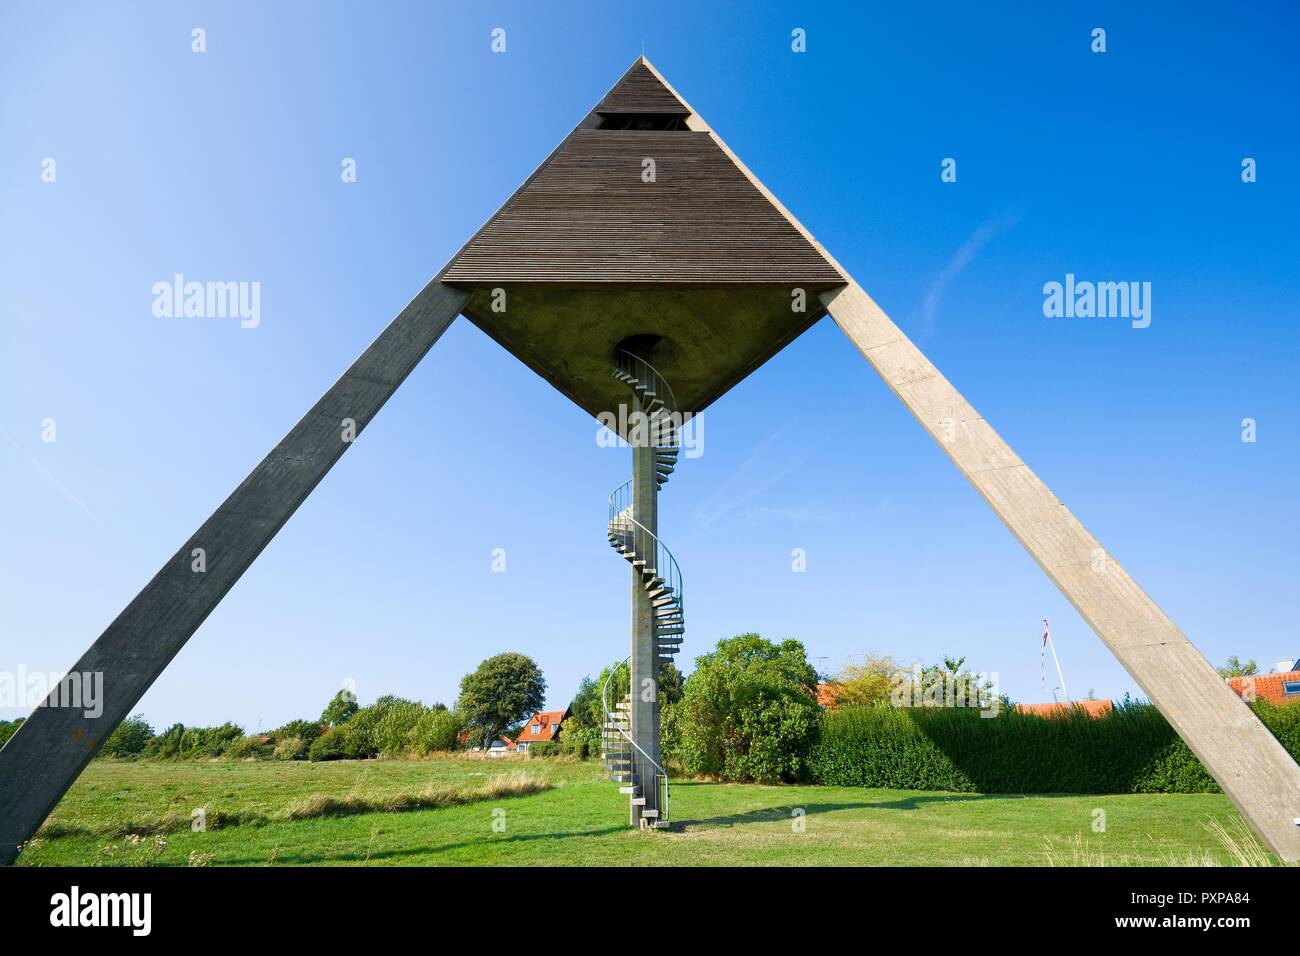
point(52, 747)
point(1253, 769)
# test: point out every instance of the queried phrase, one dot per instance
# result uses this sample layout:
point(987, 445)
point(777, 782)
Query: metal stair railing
point(648, 378)
point(645, 542)
point(609, 719)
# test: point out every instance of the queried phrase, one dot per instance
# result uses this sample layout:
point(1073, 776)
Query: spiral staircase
point(660, 577)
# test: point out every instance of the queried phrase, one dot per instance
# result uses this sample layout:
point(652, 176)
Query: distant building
point(542, 727)
point(827, 694)
point(1280, 687)
point(501, 747)
point(1093, 708)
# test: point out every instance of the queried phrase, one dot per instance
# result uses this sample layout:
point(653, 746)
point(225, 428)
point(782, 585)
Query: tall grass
point(1130, 750)
point(313, 806)
point(431, 797)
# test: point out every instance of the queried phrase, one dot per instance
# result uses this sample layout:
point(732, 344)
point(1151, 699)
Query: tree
point(671, 684)
point(8, 728)
point(307, 730)
point(167, 744)
point(585, 706)
point(128, 738)
point(502, 692)
point(340, 708)
point(580, 734)
point(360, 735)
point(867, 682)
point(1235, 668)
point(950, 684)
point(438, 729)
point(749, 711)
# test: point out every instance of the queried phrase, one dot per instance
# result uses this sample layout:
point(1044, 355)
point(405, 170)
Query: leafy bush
point(330, 746)
point(341, 708)
point(881, 746)
point(1133, 749)
point(580, 735)
point(7, 728)
point(290, 748)
point(395, 726)
point(213, 741)
point(544, 748)
point(579, 741)
point(435, 731)
point(247, 748)
point(178, 741)
point(748, 712)
point(359, 735)
point(128, 738)
point(867, 681)
point(166, 745)
point(1283, 720)
point(308, 730)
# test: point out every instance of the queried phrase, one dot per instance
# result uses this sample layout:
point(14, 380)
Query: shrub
point(290, 748)
point(748, 712)
point(179, 741)
point(247, 748)
point(213, 741)
point(360, 735)
point(7, 728)
point(881, 746)
point(1133, 749)
point(435, 731)
point(128, 738)
point(579, 741)
point(341, 708)
point(1283, 720)
point(544, 748)
point(867, 681)
point(394, 727)
point(330, 746)
point(166, 745)
point(308, 730)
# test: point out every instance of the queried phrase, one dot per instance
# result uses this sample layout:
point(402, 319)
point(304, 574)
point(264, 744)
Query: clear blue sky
point(225, 166)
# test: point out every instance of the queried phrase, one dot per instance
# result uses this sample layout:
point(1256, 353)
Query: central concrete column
point(644, 670)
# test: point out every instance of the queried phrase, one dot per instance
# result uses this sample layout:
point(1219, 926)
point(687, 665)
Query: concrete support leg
point(644, 669)
point(1253, 769)
point(41, 761)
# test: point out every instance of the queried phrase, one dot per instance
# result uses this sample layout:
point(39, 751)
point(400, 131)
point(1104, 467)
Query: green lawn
point(582, 820)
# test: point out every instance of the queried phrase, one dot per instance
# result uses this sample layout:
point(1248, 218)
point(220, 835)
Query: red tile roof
point(1265, 687)
point(828, 692)
point(548, 726)
point(1093, 708)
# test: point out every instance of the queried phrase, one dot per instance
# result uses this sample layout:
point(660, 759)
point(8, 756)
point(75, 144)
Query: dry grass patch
point(431, 797)
point(314, 806)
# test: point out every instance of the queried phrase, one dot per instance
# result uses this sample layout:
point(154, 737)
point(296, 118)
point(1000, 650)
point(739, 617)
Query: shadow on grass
point(423, 851)
point(769, 814)
point(784, 811)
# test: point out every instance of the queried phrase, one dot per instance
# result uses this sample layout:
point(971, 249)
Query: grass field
point(139, 814)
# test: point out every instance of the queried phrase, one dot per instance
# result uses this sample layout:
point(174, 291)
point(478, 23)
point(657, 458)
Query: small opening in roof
point(659, 122)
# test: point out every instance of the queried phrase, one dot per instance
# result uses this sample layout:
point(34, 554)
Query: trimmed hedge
point(1130, 750)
